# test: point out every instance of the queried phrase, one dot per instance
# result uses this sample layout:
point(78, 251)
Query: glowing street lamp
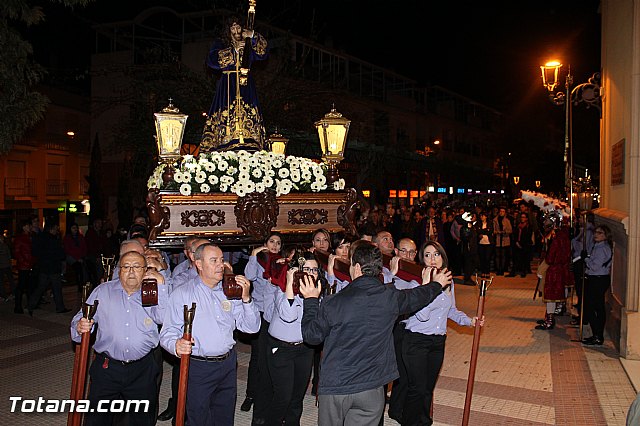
point(589, 93)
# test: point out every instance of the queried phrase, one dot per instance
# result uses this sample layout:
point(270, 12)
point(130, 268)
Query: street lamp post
point(589, 93)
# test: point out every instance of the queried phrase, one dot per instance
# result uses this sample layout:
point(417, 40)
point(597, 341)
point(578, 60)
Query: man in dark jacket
point(49, 254)
point(356, 327)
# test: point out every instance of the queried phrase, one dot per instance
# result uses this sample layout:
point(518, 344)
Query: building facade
point(44, 174)
point(620, 166)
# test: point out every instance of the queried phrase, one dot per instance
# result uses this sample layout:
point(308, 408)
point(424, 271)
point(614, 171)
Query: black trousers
point(423, 356)
point(521, 259)
point(595, 312)
point(111, 380)
point(211, 394)
point(484, 253)
point(25, 286)
point(399, 390)
point(502, 259)
point(264, 388)
point(290, 369)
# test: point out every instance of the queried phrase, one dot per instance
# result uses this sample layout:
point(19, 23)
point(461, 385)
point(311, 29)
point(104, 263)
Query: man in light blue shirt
point(183, 273)
point(124, 366)
point(212, 383)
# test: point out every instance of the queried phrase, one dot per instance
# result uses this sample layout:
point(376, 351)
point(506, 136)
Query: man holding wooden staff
point(124, 368)
point(212, 384)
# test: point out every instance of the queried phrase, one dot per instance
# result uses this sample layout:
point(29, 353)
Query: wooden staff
point(79, 377)
point(189, 314)
point(484, 284)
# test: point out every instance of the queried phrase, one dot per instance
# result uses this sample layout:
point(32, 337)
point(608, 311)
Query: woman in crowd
point(598, 271)
point(260, 270)
point(424, 340)
point(321, 239)
point(484, 229)
point(342, 242)
point(289, 358)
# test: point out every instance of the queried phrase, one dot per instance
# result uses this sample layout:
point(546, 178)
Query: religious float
point(235, 198)
point(242, 186)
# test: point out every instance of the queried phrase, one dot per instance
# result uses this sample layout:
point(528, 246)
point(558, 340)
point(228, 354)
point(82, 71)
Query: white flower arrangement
point(546, 203)
point(242, 173)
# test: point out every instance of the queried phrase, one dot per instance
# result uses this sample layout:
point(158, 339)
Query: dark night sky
point(489, 51)
point(485, 50)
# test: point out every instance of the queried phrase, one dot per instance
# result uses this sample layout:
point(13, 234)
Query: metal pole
point(568, 145)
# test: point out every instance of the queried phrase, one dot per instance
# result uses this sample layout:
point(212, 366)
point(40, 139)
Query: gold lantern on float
point(277, 143)
point(170, 124)
point(332, 130)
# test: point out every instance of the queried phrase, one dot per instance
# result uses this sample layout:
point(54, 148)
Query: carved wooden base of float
point(230, 220)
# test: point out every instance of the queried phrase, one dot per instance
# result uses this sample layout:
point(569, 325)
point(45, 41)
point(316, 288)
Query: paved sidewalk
point(523, 376)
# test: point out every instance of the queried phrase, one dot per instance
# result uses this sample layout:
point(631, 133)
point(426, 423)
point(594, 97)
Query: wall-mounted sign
point(617, 163)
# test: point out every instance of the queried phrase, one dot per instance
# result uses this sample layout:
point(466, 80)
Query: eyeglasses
point(136, 268)
point(434, 255)
point(310, 270)
point(405, 251)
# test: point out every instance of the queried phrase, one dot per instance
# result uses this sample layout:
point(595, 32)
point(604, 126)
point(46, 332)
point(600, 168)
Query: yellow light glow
point(71, 133)
point(366, 193)
point(436, 142)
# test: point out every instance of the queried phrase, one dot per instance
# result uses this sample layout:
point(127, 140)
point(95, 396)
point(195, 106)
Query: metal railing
point(20, 187)
point(57, 187)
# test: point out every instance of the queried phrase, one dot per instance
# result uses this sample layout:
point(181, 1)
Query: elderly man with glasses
point(127, 336)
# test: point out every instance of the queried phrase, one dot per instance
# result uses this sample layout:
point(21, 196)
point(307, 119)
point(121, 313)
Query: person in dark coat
point(356, 326)
point(49, 254)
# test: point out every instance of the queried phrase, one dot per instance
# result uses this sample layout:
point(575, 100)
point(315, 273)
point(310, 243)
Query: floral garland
point(546, 203)
point(242, 173)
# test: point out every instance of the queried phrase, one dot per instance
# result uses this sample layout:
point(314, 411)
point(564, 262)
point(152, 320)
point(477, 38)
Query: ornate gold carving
point(257, 213)
point(308, 216)
point(347, 212)
point(220, 131)
point(202, 218)
point(225, 57)
point(261, 44)
point(159, 216)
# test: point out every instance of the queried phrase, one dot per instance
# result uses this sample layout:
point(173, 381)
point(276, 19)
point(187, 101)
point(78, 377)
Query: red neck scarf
point(273, 270)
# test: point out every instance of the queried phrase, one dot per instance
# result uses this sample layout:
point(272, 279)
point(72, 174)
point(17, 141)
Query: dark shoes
point(593, 340)
point(246, 404)
point(547, 324)
point(167, 414)
point(18, 310)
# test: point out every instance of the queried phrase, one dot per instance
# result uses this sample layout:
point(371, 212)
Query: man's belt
point(109, 359)
point(285, 342)
point(218, 358)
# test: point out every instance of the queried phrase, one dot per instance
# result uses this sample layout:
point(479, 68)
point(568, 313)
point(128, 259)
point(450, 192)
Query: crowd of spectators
point(501, 238)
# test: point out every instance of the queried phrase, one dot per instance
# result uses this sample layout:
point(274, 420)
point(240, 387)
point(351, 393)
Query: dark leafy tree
point(21, 105)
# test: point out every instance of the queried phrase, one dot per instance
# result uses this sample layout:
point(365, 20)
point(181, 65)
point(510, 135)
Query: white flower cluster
point(243, 172)
point(546, 203)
